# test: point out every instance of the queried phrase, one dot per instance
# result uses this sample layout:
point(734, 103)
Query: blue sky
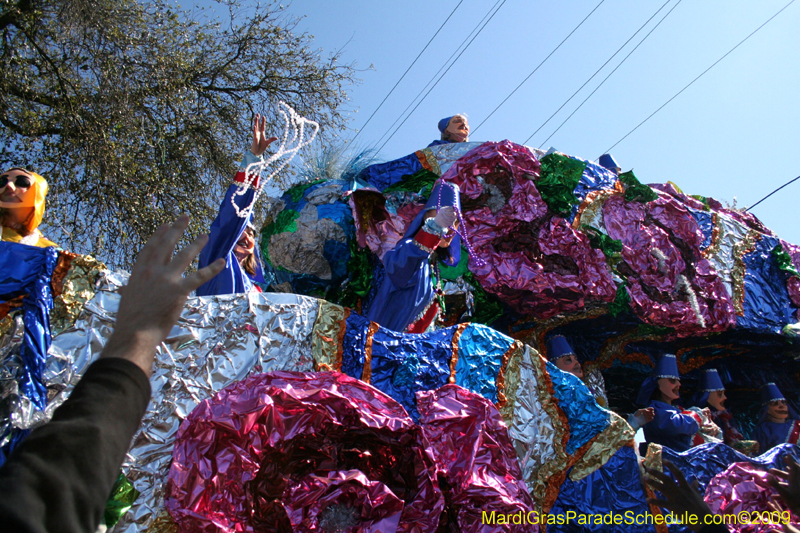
point(734, 133)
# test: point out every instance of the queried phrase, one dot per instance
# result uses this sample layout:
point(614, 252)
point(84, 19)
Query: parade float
point(288, 410)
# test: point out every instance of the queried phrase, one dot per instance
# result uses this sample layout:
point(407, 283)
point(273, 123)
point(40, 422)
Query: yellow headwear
point(39, 191)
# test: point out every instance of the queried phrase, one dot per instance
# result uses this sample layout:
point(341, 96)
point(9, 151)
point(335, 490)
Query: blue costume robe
point(407, 288)
point(670, 427)
point(225, 232)
point(770, 434)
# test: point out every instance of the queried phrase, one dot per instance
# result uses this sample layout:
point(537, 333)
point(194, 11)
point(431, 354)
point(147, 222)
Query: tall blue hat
point(666, 367)
point(608, 161)
point(558, 347)
point(443, 123)
point(709, 382)
point(444, 194)
point(770, 393)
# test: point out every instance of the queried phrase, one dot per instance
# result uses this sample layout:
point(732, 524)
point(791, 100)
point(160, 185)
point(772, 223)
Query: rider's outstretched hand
point(260, 140)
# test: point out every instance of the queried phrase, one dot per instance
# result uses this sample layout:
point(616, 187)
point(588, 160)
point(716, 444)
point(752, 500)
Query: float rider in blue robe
point(712, 396)
point(232, 236)
point(453, 129)
point(561, 354)
point(410, 297)
point(672, 426)
point(778, 421)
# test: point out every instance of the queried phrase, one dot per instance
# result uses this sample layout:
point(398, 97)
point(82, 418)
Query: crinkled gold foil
point(366, 374)
point(653, 458)
point(604, 445)
point(428, 161)
point(327, 331)
point(78, 288)
point(510, 382)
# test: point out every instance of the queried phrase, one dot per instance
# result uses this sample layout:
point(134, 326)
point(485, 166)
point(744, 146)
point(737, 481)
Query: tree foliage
point(135, 111)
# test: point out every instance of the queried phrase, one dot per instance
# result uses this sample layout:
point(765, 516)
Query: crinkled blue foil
point(384, 175)
point(403, 364)
point(615, 487)
point(706, 222)
point(586, 418)
point(594, 178)
point(480, 356)
point(767, 306)
point(706, 461)
point(27, 270)
point(353, 344)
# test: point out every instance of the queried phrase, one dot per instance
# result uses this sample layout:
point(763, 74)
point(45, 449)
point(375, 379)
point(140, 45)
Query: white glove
point(446, 217)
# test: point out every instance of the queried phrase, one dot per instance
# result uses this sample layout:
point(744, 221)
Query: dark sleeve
point(60, 477)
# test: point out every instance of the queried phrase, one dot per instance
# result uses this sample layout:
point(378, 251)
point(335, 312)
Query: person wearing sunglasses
point(22, 195)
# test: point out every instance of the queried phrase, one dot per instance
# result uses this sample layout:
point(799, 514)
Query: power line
point(698, 77)
point(419, 94)
point(598, 71)
point(406, 72)
point(773, 192)
point(394, 131)
point(612, 72)
point(538, 66)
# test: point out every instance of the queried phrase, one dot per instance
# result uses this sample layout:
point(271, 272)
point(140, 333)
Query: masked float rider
point(22, 198)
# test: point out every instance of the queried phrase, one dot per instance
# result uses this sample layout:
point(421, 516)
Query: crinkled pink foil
point(373, 506)
point(742, 487)
point(476, 459)
point(537, 263)
point(247, 459)
point(661, 242)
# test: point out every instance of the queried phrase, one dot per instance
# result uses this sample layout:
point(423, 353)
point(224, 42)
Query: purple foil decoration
point(475, 459)
point(535, 262)
point(669, 281)
point(290, 451)
point(743, 490)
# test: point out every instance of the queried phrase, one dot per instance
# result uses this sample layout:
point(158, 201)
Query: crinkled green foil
point(635, 191)
point(784, 261)
point(557, 181)
point(285, 221)
point(455, 272)
point(421, 181)
point(487, 307)
point(611, 248)
point(622, 301)
point(297, 192)
point(359, 282)
point(122, 497)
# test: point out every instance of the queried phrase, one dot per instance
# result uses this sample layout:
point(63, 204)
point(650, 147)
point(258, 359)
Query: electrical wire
point(698, 77)
point(598, 70)
point(773, 192)
point(395, 130)
point(538, 66)
point(612, 72)
point(406, 72)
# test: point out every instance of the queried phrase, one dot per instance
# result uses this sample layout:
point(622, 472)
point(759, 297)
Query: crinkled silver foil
point(722, 253)
point(218, 340)
point(532, 431)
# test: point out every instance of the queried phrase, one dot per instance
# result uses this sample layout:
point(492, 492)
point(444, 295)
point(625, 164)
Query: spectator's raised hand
point(787, 483)
point(156, 293)
point(680, 497)
point(260, 140)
